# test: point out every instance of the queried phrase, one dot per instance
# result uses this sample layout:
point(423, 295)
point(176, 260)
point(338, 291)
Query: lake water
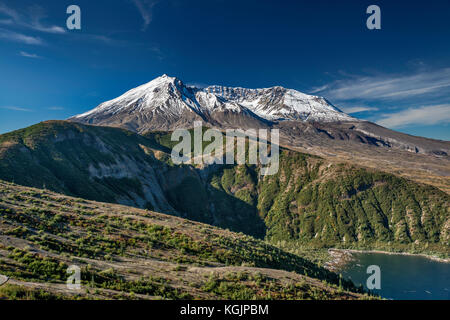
point(403, 277)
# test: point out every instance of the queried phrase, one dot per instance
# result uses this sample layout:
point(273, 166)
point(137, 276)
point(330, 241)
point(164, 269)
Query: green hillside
point(57, 155)
point(319, 204)
point(309, 202)
point(124, 252)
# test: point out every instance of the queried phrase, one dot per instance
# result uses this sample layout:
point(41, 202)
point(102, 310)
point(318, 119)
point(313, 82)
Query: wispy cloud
point(101, 38)
point(145, 8)
point(388, 87)
point(19, 37)
point(358, 109)
point(6, 21)
point(426, 115)
point(14, 25)
point(29, 55)
point(319, 89)
point(32, 20)
point(9, 12)
point(16, 108)
point(37, 14)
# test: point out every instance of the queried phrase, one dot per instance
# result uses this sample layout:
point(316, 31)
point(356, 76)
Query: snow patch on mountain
point(170, 97)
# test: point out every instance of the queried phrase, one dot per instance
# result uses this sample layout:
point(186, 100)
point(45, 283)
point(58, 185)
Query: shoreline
point(434, 258)
point(342, 257)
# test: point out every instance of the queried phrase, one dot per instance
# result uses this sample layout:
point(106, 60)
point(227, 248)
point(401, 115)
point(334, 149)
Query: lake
point(403, 277)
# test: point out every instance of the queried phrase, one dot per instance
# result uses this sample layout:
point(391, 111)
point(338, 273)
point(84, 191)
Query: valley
point(310, 201)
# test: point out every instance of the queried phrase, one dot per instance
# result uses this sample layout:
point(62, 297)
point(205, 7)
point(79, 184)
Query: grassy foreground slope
point(309, 202)
point(129, 253)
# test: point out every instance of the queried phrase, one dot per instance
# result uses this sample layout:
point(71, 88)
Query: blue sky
point(398, 76)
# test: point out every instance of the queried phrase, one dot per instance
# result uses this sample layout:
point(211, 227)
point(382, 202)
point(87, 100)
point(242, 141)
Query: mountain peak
point(165, 102)
point(166, 77)
point(161, 80)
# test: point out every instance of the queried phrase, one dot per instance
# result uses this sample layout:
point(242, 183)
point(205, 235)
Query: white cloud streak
point(358, 109)
point(16, 108)
point(6, 21)
point(37, 14)
point(145, 8)
point(388, 87)
point(426, 115)
point(319, 89)
point(32, 21)
point(19, 37)
point(29, 55)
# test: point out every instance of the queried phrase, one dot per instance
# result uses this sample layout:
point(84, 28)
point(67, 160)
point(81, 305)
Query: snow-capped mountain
point(166, 103)
point(278, 103)
point(305, 121)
